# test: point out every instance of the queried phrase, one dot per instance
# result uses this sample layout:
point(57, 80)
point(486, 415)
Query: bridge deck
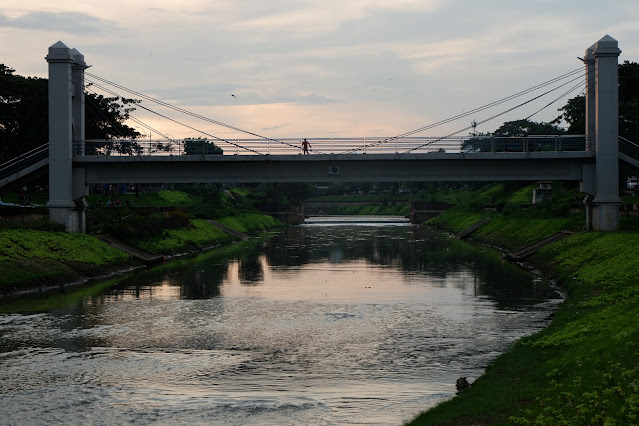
point(436, 166)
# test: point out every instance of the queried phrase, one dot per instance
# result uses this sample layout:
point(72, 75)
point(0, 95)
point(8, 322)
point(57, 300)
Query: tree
point(24, 112)
point(104, 120)
point(512, 129)
point(629, 100)
point(479, 142)
point(525, 127)
point(201, 146)
point(574, 112)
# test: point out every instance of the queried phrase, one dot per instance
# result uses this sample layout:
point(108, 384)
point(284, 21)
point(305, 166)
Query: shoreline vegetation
point(37, 256)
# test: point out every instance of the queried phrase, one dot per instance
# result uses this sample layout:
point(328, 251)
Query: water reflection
point(423, 255)
point(420, 255)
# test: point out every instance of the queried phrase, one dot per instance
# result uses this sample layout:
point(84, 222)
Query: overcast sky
point(330, 68)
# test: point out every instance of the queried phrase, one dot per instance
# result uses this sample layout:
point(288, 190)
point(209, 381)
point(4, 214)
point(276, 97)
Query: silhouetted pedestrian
point(305, 146)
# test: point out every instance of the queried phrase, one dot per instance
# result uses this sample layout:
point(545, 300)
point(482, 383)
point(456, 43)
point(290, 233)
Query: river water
point(331, 322)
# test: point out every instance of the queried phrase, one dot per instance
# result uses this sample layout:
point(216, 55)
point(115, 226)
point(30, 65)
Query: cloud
point(67, 22)
point(312, 99)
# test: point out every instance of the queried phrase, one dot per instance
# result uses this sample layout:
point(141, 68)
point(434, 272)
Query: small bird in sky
point(234, 96)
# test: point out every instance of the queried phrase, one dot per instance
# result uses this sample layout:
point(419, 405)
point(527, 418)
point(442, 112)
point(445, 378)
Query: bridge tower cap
point(589, 54)
point(59, 52)
point(58, 45)
point(607, 46)
point(78, 57)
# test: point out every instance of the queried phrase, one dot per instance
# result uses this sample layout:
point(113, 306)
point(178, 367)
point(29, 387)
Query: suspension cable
point(180, 123)
point(556, 99)
point(201, 131)
point(146, 126)
point(184, 111)
point(137, 120)
point(99, 114)
point(494, 116)
point(481, 108)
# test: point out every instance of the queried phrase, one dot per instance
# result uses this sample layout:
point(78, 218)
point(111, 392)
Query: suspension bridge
point(75, 162)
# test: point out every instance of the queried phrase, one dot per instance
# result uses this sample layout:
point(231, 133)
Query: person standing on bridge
point(305, 146)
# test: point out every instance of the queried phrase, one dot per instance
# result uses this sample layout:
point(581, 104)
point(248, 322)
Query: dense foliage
point(200, 146)
point(23, 113)
point(525, 127)
point(136, 227)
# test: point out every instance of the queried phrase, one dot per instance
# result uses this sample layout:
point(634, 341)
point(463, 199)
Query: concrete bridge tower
point(602, 133)
point(66, 125)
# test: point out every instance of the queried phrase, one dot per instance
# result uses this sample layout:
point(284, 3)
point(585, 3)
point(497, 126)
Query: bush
point(175, 220)
point(139, 227)
point(34, 224)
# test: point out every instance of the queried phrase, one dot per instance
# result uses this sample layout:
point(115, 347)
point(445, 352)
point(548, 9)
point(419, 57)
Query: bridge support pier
point(602, 119)
point(66, 124)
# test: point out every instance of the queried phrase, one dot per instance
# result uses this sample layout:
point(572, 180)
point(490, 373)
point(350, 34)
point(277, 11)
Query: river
point(331, 322)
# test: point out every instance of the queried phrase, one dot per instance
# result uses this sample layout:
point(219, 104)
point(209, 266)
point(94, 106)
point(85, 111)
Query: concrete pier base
point(72, 219)
point(605, 216)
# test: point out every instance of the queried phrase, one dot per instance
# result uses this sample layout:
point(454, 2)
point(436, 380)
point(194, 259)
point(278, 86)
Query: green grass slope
point(39, 257)
point(583, 368)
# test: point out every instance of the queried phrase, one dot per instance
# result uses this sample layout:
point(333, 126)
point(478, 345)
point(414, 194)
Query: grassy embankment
point(201, 233)
point(30, 258)
point(33, 258)
point(582, 368)
point(58, 300)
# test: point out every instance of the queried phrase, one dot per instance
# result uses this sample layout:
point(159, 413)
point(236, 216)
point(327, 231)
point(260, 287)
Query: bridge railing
point(336, 146)
point(23, 161)
point(629, 148)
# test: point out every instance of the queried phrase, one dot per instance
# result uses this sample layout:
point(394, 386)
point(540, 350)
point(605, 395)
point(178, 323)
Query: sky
point(330, 68)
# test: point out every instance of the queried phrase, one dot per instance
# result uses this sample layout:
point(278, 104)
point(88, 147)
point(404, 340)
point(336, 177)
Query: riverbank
point(35, 260)
point(582, 368)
